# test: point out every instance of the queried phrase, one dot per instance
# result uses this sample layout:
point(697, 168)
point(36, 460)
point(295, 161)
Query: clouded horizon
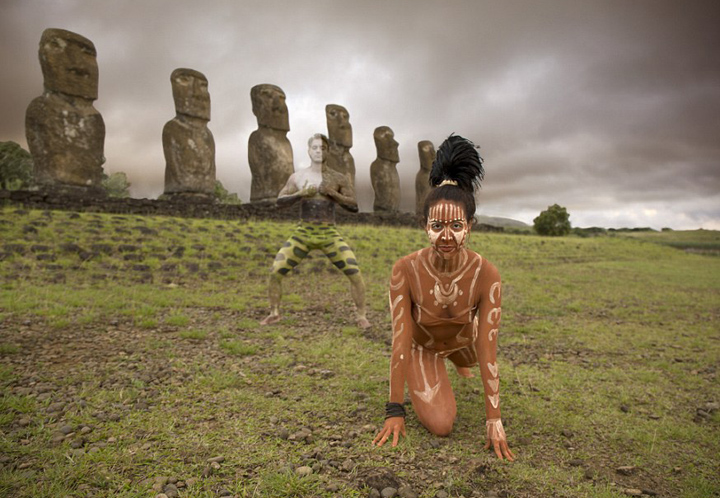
point(610, 108)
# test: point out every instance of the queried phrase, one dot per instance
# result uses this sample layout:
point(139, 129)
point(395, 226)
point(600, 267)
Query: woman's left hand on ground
point(501, 449)
point(495, 434)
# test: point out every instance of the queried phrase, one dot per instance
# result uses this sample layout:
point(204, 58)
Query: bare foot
point(363, 323)
point(465, 372)
point(270, 319)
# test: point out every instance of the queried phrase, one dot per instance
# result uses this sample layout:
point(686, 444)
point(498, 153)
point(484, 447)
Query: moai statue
point(426, 151)
point(188, 144)
point(340, 137)
point(65, 133)
point(383, 172)
point(269, 151)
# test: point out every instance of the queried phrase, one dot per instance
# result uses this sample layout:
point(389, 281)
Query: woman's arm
point(400, 313)
point(487, 324)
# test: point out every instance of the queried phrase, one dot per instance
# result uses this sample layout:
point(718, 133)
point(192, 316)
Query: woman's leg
point(463, 360)
point(430, 391)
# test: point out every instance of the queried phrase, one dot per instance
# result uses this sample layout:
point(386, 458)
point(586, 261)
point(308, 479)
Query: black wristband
point(394, 410)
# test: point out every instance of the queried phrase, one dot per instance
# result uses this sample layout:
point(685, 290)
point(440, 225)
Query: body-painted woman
point(445, 303)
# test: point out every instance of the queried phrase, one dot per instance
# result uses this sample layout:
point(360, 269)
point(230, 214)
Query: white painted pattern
point(493, 316)
point(397, 281)
point(428, 393)
point(493, 369)
point(494, 288)
point(494, 400)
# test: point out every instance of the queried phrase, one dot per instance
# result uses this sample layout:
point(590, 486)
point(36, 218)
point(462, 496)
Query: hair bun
point(457, 163)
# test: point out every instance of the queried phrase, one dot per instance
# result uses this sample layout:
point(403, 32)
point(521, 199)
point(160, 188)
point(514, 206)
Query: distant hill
point(498, 221)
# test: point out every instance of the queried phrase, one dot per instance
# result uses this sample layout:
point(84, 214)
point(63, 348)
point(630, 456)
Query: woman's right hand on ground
point(393, 426)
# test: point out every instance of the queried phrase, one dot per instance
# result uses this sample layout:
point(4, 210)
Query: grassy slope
point(608, 348)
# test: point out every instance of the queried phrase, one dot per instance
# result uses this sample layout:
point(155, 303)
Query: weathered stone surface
point(188, 144)
point(65, 133)
point(340, 140)
point(426, 151)
point(175, 207)
point(383, 171)
point(270, 154)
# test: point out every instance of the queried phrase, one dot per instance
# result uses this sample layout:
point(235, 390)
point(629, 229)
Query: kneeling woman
point(445, 304)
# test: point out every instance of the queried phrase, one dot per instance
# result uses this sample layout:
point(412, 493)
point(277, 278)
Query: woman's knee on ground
point(439, 422)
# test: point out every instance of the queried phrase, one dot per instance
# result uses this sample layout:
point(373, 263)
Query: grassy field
point(132, 364)
point(695, 241)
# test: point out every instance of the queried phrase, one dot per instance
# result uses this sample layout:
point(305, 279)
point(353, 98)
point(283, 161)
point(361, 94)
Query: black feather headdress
point(457, 162)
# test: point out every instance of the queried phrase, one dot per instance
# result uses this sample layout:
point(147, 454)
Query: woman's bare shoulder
point(407, 260)
point(488, 268)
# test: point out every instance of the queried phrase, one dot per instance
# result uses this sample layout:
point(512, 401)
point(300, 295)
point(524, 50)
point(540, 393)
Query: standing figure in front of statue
point(426, 151)
point(340, 137)
point(188, 144)
point(270, 154)
point(383, 171)
point(65, 133)
point(318, 189)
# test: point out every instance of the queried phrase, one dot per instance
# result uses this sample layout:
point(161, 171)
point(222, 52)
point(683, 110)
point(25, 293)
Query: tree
point(16, 167)
point(116, 185)
point(223, 196)
point(554, 221)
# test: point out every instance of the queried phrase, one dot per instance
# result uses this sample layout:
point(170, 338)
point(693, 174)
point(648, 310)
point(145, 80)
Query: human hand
point(394, 426)
point(495, 434)
point(310, 190)
point(325, 190)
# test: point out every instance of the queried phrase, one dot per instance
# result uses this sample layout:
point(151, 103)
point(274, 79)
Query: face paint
point(447, 228)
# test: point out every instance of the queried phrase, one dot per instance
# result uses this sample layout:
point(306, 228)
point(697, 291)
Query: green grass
point(611, 339)
point(238, 348)
point(194, 334)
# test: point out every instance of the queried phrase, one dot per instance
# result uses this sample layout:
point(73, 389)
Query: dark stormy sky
point(610, 108)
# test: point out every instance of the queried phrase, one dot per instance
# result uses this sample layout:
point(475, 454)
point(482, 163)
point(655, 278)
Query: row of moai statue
point(66, 134)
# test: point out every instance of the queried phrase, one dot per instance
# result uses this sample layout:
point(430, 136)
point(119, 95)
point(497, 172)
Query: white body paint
point(493, 369)
point(493, 289)
point(494, 315)
point(306, 177)
point(494, 400)
point(494, 430)
point(428, 393)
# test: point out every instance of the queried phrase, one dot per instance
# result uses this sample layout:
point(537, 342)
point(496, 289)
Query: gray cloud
point(609, 108)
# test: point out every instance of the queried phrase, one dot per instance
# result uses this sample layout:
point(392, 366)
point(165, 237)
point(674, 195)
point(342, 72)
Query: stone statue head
point(338, 123)
point(69, 63)
point(190, 92)
point(268, 105)
point(387, 147)
point(318, 147)
point(426, 151)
